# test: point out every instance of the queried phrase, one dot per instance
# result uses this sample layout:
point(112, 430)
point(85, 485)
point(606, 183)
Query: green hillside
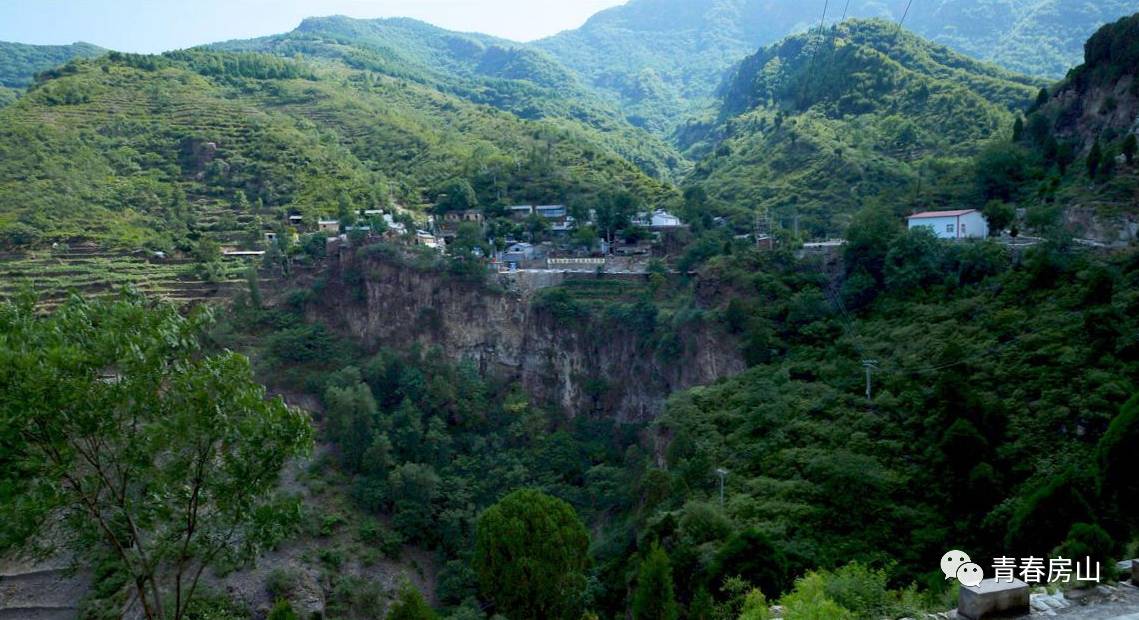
point(663, 59)
point(159, 150)
point(478, 68)
point(19, 63)
point(819, 124)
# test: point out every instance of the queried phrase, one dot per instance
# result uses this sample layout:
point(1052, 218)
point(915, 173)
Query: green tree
point(410, 605)
point(282, 610)
point(456, 194)
point(613, 213)
point(999, 215)
point(655, 598)
point(351, 418)
point(914, 260)
point(1115, 457)
point(1095, 158)
point(531, 555)
point(1017, 129)
point(111, 412)
point(1130, 146)
point(253, 283)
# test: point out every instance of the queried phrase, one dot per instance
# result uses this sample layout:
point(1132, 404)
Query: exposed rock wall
point(586, 366)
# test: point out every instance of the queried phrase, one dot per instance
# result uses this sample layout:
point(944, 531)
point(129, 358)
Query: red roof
point(956, 213)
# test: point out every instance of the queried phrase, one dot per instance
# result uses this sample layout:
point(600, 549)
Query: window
point(949, 228)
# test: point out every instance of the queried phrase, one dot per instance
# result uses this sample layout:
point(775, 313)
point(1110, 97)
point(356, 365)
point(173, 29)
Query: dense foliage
point(19, 63)
point(477, 68)
point(224, 145)
point(816, 126)
point(121, 437)
point(663, 59)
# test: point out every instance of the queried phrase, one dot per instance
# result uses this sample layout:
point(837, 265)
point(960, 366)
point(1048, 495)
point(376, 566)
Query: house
point(297, 221)
point(659, 220)
point(428, 240)
point(519, 252)
point(552, 212)
point(960, 224)
point(394, 226)
point(329, 227)
point(458, 217)
point(520, 212)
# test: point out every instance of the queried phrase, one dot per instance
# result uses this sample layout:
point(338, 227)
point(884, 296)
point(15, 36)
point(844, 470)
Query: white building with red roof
point(960, 224)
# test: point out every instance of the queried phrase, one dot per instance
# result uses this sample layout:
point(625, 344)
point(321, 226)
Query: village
point(512, 238)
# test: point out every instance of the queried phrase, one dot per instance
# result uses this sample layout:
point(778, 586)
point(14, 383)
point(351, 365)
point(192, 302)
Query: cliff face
point(594, 366)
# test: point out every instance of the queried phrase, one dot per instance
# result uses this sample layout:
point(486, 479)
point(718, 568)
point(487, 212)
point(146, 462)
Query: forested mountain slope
point(1076, 148)
point(19, 63)
point(817, 125)
point(475, 67)
point(664, 58)
point(161, 149)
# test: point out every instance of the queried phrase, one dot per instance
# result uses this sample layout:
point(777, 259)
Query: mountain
point(161, 150)
point(815, 126)
point(1076, 147)
point(19, 63)
point(663, 59)
point(481, 69)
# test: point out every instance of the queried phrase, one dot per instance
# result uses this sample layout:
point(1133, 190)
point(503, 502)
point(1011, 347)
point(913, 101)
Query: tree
point(914, 260)
point(456, 194)
point(111, 412)
point(351, 417)
point(752, 556)
point(614, 211)
point(868, 239)
point(1095, 158)
point(999, 215)
point(655, 598)
point(531, 555)
point(1017, 129)
point(410, 605)
point(1130, 146)
point(1042, 97)
point(1115, 457)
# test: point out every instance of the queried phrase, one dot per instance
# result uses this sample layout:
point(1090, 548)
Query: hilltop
point(817, 125)
point(478, 68)
point(663, 59)
point(19, 63)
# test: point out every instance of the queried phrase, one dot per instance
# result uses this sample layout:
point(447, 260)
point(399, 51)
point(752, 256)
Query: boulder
point(993, 599)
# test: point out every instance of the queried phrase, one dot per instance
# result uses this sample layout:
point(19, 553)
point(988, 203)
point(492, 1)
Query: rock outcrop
point(594, 365)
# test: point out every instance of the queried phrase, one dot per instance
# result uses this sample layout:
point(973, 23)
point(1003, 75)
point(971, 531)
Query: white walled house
point(961, 224)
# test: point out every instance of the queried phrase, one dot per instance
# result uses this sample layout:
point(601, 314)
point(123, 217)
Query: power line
point(844, 11)
point(902, 21)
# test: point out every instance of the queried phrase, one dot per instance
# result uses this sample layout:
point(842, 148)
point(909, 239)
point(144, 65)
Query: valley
point(372, 319)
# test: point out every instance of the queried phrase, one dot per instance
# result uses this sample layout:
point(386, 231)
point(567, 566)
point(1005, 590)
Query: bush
point(1087, 540)
point(809, 601)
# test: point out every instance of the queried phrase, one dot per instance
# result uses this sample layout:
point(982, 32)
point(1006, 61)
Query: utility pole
point(870, 366)
point(722, 473)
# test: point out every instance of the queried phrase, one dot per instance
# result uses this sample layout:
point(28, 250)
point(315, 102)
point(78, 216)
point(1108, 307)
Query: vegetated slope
point(820, 123)
point(1077, 147)
point(475, 67)
point(663, 59)
point(161, 149)
point(19, 62)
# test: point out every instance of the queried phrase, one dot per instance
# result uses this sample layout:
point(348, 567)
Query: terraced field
point(53, 275)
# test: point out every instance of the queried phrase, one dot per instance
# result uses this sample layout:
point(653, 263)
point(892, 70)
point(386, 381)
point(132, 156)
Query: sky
point(151, 26)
